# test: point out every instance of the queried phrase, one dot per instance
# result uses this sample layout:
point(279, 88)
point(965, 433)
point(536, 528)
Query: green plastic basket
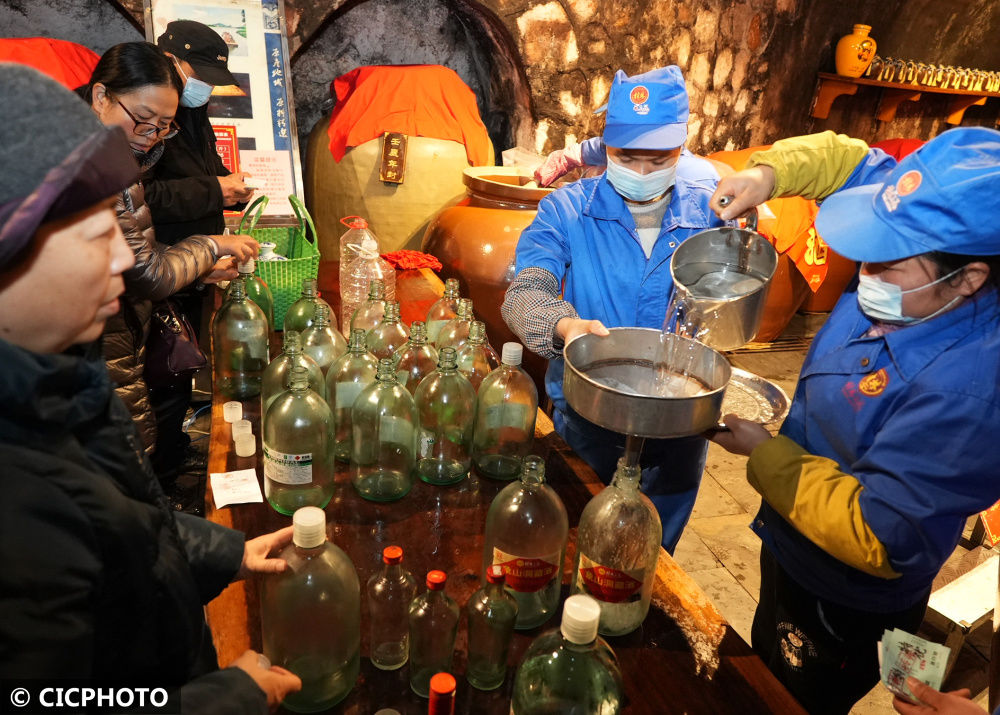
point(284, 278)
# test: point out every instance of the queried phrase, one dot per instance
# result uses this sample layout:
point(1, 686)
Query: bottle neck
point(578, 647)
point(627, 478)
point(238, 289)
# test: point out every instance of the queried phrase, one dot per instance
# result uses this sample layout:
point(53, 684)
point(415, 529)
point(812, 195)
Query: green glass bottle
point(477, 358)
point(570, 670)
point(526, 530)
point(369, 314)
point(390, 593)
point(239, 344)
point(417, 359)
point(257, 289)
point(347, 377)
point(311, 616)
point(444, 309)
point(389, 335)
point(298, 454)
point(455, 332)
point(446, 407)
point(299, 315)
point(617, 547)
point(384, 444)
point(433, 626)
point(321, 341)
point(491, 612)
point(505, 418)
point(277, 372)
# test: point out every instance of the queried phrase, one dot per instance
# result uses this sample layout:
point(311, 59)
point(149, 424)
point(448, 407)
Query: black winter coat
point(100, 578)
point(182, 189)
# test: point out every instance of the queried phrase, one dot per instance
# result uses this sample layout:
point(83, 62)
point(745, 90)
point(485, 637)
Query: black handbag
point(172, 350)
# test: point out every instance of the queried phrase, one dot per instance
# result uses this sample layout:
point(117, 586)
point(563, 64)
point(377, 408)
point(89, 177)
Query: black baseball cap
point(201, 47)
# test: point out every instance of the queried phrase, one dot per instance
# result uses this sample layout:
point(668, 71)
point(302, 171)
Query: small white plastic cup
point(232, 411)
point(241, 427)
point(246, 445)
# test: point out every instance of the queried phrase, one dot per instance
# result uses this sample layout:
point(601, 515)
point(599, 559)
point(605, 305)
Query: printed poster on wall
point(258, 113)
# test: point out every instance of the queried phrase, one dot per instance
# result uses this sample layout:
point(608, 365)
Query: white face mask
point(640, 187)
point(883, 301)
point(196, 92)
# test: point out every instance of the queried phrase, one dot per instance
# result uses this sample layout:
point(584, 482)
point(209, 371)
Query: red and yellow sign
point(639, 94)
point(526, 574)
point(608, 584)
point(909, 182)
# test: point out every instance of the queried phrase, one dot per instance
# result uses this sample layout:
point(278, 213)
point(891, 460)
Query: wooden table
point(685, 657)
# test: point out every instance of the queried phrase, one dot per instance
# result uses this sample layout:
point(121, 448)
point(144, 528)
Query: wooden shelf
point(831, 86)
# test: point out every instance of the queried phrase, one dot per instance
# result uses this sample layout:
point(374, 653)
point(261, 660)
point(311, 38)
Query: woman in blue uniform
point(597, 256)
point(890, 443)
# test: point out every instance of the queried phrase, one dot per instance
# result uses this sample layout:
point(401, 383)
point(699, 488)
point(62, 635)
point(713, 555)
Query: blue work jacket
point(584, 235)
point(914, 416)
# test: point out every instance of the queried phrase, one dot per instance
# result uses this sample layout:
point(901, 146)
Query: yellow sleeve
point(812, 166)
point(819, 500)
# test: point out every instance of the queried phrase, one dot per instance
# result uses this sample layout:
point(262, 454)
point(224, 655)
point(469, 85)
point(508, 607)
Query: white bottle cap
point(232, 411)
point(309, 527)
point(247, 267)
point(581, 614)
point(241, 427)
point(511, 353)
point(246, 445)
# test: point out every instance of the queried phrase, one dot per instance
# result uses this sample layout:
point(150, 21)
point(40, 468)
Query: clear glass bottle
point(239, 344)
point(442, 699)
point(366, 266)
point(257, 289)
point(347, 377)
point(433, 625)
point(311, 616)
point(299, 315)
point(384, 444)
point(298, 454)
point(417, 359)
point(277, 372)
point(455, 332)
point(491, 612)
point(322, 341)
point(477, 358)
point(617, 547)
point(446, 408)
point(352, 293)
point(369, 314)
point(505, 418)
point(390, 593)
point(526, 530)
point(389, 335)
point(444, 309)
point(570, 670)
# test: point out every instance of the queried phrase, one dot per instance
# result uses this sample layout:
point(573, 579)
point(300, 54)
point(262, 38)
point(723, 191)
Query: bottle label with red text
point(608, 584)
point(527, 575)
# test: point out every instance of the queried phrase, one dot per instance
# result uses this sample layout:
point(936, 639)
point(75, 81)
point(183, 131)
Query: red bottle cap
point(354, 222)
point(392, 555)
point(494, 574)
point(436, 580)
point(442, 695)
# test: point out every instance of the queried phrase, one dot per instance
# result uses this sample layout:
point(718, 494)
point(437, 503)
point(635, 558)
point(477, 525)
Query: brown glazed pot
point(475, 240)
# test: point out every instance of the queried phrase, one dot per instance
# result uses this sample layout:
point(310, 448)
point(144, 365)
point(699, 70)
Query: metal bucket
point(721, 277)
point(627, 358)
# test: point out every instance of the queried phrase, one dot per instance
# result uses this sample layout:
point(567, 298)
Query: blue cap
point(943, 197)
point(647, 111)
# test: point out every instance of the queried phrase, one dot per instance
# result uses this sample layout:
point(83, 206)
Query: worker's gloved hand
point(558, 164)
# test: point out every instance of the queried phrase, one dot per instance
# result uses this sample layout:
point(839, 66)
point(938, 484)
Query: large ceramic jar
point(475, 240)
point(855, 52)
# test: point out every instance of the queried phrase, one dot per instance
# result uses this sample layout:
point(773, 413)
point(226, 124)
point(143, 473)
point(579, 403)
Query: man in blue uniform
point(598, 255)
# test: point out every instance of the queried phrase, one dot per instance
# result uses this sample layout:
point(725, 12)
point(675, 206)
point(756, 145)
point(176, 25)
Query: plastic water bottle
point(360, 264)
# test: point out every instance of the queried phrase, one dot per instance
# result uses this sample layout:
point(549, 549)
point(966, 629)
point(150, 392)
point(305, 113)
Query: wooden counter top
point(685, 657)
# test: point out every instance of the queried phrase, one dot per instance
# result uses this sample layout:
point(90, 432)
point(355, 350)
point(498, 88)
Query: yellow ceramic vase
point(855, 52)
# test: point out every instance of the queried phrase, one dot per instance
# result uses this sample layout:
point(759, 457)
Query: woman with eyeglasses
point(134, 86)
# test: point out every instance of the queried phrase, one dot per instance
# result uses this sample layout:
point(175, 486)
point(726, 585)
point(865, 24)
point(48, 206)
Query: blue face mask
point(640, 187)
point(196, 92)
point(883, 301)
